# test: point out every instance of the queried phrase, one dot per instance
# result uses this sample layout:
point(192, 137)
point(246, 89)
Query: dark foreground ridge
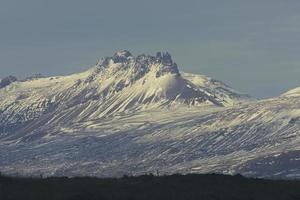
point(183, 187)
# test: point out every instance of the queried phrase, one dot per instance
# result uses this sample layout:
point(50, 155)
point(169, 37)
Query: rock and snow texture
point(135, 115)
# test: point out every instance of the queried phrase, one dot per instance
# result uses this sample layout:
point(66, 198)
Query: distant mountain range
point(137, 115)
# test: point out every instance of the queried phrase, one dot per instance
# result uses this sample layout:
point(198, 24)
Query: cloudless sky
point(252, 45)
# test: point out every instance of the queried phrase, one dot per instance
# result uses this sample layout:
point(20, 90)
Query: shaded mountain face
point(7, 81)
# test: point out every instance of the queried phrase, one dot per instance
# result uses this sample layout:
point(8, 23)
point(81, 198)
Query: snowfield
point(136, 115)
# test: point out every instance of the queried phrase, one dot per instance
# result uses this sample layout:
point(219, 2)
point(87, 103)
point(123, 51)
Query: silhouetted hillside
point(185, 187)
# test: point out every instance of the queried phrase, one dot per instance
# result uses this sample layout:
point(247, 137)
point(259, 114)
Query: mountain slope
point(258, 139)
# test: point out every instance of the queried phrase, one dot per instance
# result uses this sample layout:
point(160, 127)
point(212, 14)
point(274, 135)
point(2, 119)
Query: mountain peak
point(165, 58)
point(123, 60)
point(121, 56)
point(123, 53)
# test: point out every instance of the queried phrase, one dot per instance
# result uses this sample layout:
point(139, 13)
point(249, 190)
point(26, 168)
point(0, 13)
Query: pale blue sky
point(252, 45)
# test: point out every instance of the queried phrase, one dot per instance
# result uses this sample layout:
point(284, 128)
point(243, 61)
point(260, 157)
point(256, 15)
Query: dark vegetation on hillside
point(183, 187)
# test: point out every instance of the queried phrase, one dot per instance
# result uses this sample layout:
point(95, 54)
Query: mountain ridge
point(117, 84)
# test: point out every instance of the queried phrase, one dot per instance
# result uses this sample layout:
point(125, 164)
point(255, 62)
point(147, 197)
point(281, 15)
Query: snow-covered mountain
point(116, 85)
point(135, 115)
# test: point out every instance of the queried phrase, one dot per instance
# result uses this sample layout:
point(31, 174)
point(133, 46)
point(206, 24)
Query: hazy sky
point(252, 45)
